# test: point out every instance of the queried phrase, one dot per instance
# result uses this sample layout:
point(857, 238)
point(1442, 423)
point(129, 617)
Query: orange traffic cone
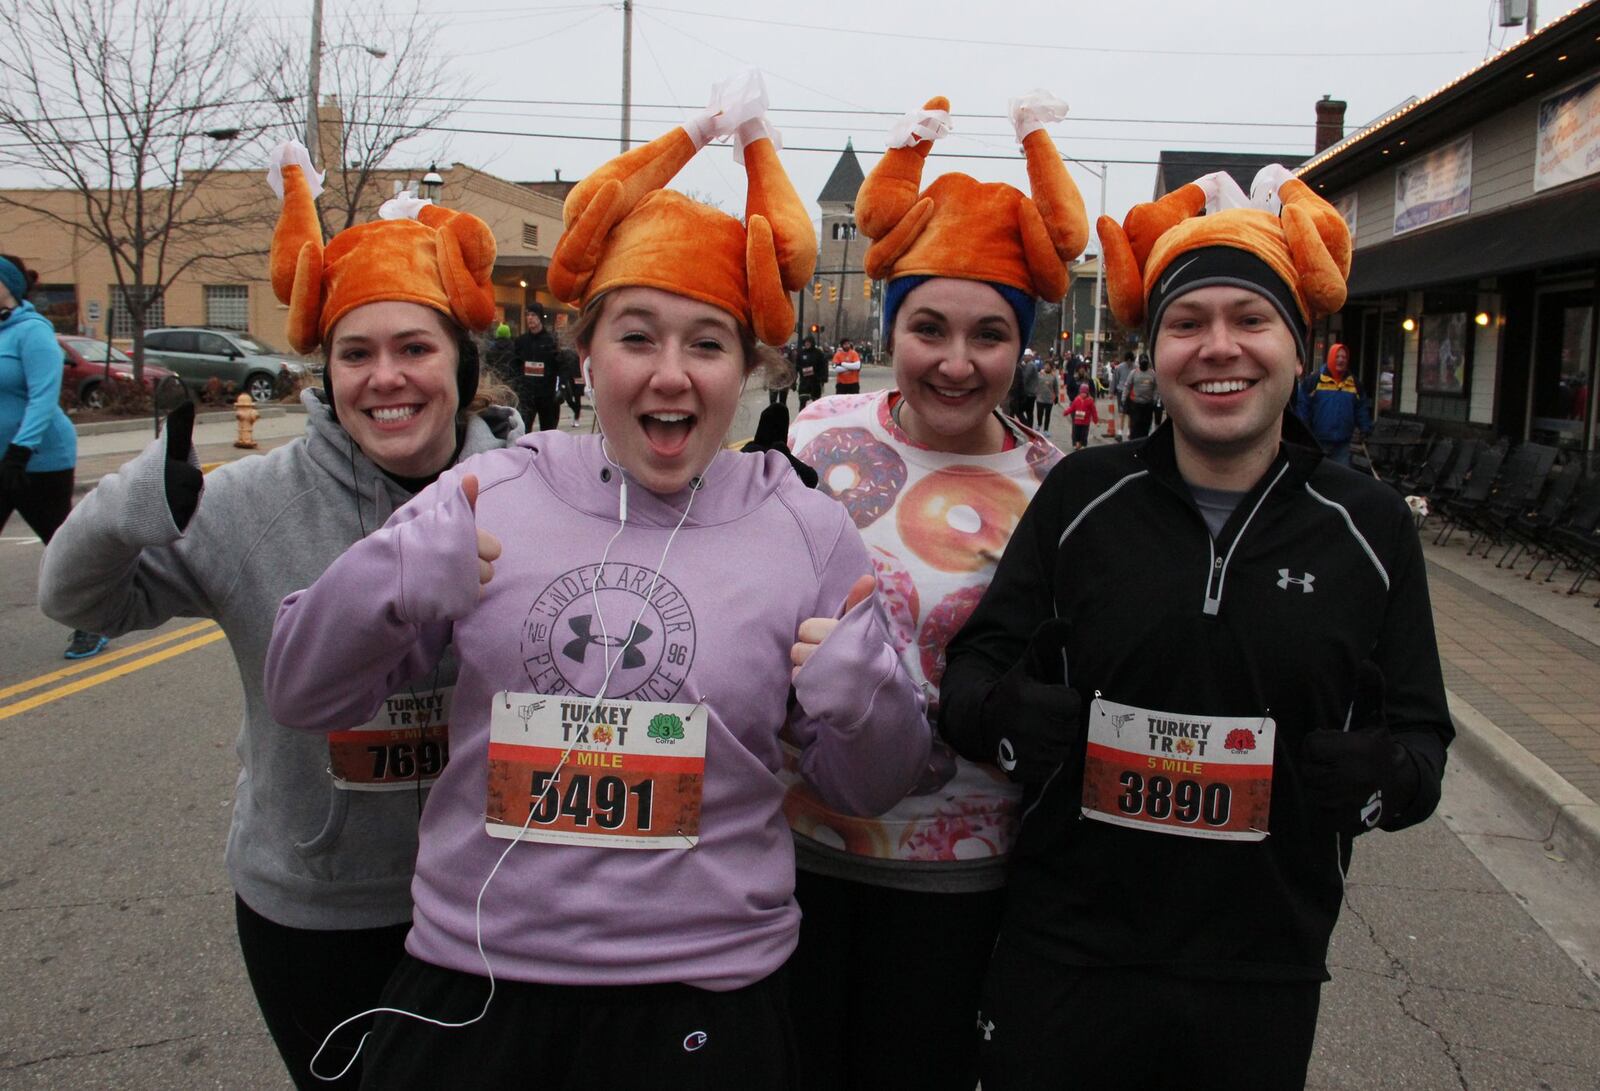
point(1111, 419)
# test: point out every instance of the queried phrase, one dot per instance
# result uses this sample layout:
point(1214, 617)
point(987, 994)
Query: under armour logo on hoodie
point(1373, 810)
point(578, 649)
point(987, 1027)
point(1305, 582)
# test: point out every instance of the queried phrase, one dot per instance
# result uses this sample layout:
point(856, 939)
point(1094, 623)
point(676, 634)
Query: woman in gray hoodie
point(324, 833)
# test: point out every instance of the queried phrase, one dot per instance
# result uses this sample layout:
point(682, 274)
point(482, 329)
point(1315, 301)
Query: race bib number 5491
point(632, 778)
point(1166, 772)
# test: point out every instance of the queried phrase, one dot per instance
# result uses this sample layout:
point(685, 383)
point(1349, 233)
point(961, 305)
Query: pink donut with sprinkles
point(860, 472)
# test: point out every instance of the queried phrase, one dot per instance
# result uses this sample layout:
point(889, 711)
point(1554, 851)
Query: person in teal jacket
point(37, 470)
point(1334, 409)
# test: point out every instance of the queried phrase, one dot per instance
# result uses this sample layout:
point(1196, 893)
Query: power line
point(902, 35)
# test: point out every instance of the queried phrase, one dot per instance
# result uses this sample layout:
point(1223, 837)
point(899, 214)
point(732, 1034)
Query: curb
point(1546, 797)
point(146, 424)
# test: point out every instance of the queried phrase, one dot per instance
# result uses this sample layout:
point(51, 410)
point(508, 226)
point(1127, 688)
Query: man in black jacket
point(1192, 790)
point(535, 366)
point(813, 368)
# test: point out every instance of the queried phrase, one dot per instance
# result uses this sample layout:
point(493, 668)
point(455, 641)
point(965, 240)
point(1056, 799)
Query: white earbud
point(622, 499)
point(588, 371)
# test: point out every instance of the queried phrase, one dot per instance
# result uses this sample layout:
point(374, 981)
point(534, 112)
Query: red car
point(85, 360)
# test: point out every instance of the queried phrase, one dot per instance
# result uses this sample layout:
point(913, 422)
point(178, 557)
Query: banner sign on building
point(1434, 187)
point(1569, 135)
point(1345, 205)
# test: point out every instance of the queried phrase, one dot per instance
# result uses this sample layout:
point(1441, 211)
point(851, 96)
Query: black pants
point(555, 1037)
point(575, 400)
point(308, 982)
point(887, 983)
point(1139, 420)
point(847, 388)
point(809, 392)
point(1134, 1028)
point(43, 503)
point(1041, 418)
point(1024, 412)
point(778, 397)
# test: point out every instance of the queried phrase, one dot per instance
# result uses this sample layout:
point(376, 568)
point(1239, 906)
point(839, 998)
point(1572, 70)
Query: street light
point(314, 79)
point(432, 183)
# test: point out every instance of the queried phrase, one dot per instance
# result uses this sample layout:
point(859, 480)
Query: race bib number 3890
point(632, 779)
point(1166, 772)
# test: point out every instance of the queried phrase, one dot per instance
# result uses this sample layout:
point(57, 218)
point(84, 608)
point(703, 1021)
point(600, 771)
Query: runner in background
point(846, 369)
point(1191, 800)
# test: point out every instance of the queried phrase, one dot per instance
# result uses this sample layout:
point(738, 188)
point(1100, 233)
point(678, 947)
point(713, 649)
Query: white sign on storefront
point(1434, 187)
point(1569, 135)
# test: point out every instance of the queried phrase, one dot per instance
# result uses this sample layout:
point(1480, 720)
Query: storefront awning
point(1549, 231)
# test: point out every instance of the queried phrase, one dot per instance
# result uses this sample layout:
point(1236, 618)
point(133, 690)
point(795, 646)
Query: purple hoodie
point(758, 554)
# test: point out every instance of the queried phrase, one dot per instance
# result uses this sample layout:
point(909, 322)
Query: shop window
point(1563, 369)
point(228, 306)
point(58, 303)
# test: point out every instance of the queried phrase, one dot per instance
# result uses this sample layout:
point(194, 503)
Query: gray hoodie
point(301, 852)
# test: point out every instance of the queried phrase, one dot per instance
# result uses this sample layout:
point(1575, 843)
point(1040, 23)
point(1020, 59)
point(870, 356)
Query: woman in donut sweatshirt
point(901, 911)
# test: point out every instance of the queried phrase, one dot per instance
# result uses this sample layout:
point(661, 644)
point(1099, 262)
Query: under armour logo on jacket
point(987, 1027)
point(1373, 810)
point(577, 649)
point(1305, 582)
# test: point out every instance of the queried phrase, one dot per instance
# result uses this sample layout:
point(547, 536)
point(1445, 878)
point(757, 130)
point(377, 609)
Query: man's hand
point(488, 544)
point(184, 482)
point(814, 630)
point(1032, 721)
point(1354, 778)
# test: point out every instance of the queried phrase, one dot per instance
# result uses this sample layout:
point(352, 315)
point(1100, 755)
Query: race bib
point(1193, 776)
point(533, 368)
point(406, 743)
point(617, 774)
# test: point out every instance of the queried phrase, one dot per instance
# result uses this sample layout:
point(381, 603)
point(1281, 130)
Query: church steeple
point(845, 180)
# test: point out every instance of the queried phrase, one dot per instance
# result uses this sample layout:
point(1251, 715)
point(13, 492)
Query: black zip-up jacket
point(1318, 569)
point(542, 347)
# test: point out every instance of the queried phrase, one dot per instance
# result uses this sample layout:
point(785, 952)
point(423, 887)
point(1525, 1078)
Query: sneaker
point(84, 645)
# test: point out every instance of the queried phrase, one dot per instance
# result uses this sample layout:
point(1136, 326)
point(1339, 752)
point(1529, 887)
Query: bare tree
point(128, 107)
point(392, 86)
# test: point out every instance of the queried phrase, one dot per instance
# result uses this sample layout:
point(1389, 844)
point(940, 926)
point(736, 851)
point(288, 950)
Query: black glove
point(13, 470)
point(1353, 779)
point(1031, 721)
point(183, 480)
point(499, 418)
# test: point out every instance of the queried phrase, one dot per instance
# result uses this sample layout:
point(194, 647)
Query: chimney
point(558, 174)
point(1330, 122)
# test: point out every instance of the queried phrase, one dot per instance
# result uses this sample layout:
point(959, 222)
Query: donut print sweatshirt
point(709, 619)
point(935, 525)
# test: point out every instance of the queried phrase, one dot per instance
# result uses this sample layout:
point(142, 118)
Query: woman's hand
point(488, 544)
point(814, 630)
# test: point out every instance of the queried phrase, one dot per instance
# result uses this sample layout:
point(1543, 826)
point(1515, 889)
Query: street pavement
point(1466, 955)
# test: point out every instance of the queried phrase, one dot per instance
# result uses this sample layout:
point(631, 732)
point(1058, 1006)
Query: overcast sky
point(1140, 76)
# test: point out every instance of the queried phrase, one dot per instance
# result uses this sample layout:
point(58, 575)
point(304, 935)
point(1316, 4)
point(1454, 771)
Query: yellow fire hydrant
point(244, 411)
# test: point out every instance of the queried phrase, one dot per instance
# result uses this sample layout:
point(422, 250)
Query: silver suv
point(199, 355)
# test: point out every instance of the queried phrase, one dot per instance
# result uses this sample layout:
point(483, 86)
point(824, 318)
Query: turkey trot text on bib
point(406, 742)
point(1194, 776)
point(633, 778)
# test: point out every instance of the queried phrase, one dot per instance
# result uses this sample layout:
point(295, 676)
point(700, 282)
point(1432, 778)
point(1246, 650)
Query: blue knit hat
point(1022, 304)
point(14, 280)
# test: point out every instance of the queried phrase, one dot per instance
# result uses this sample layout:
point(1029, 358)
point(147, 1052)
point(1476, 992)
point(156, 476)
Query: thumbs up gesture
point(814, 630)
point(488, 544)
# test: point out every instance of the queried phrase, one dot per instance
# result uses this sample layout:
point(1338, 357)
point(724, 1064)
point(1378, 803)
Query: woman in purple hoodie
point(604, 887)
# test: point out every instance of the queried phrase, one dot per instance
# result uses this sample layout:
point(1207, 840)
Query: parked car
point(85, 361)
point(199, 355)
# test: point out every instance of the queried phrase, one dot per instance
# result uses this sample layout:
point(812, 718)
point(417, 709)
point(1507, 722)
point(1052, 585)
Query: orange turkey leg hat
point(1283, 242)
point(418, 253)
point(960, 227)
point(623, 229)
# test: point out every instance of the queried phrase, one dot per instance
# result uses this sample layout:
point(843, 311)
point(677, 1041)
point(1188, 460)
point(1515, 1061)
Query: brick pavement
point(1524, 655)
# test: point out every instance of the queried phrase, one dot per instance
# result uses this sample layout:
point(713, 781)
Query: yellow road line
point(106, 657)
point(738, 443)
point(106, 676)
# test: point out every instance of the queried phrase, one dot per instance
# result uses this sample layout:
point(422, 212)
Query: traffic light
point(833, 293)
point(816, 290)
point(815, 328)
point(866, 289)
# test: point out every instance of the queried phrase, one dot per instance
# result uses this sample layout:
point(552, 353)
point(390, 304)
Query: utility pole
point(314, 84)
point(844, 264)
point(1099, 276)
point(627, 69)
